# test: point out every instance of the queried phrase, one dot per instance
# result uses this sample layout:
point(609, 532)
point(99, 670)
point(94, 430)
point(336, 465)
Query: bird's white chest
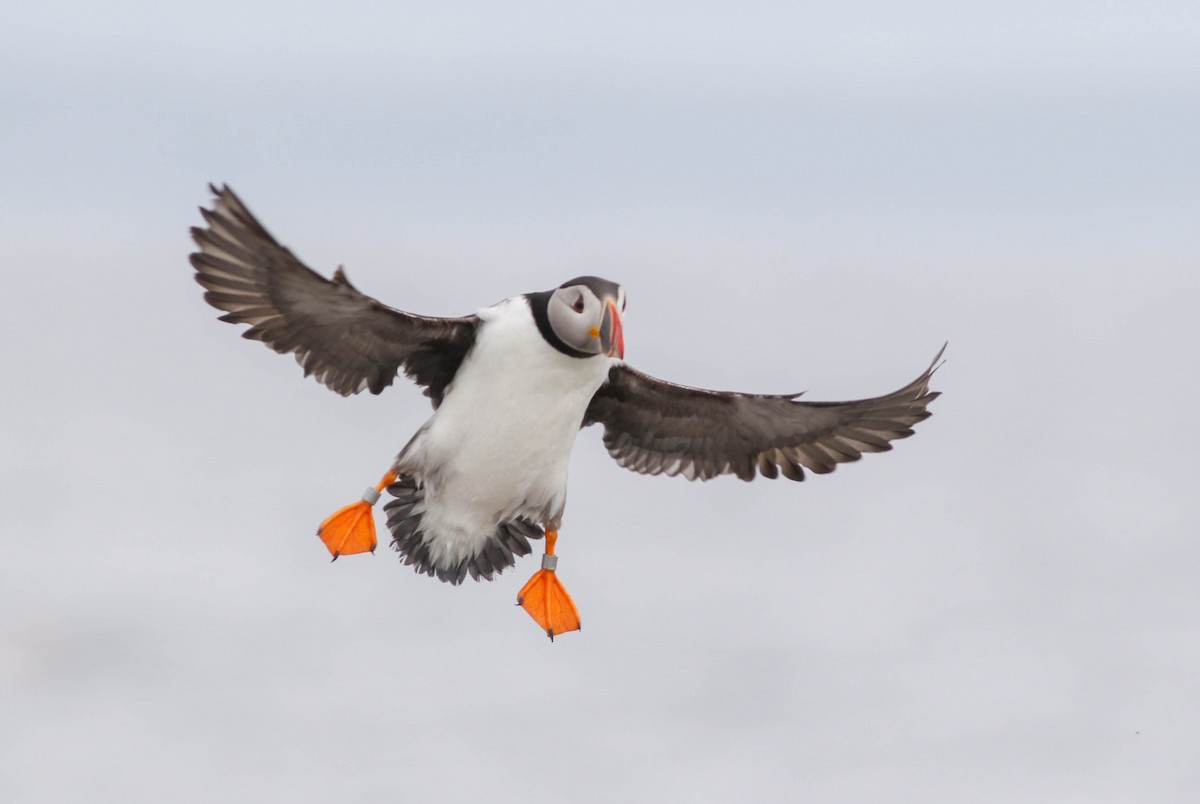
point(499, 444)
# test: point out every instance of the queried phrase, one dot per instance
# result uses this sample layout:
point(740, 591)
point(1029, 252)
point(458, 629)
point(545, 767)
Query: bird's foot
point(352, 529)
point(546, 599)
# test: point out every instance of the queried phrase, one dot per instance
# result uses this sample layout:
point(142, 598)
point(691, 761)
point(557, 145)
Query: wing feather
point(656, 427)
point(345, 339)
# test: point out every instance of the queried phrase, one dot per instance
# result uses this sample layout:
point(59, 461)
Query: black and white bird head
point(582, 317)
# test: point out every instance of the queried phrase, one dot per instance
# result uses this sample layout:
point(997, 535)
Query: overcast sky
point(796, 196)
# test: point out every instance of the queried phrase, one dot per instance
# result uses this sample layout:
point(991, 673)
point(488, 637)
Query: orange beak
point(612, 336)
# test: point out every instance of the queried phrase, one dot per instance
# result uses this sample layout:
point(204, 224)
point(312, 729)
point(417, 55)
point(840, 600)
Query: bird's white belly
point(499, 445)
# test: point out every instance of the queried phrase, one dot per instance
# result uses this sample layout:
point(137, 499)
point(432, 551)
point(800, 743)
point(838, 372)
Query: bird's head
point(585, 313)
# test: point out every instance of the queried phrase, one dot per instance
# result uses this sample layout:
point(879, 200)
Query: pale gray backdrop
point(797, 196)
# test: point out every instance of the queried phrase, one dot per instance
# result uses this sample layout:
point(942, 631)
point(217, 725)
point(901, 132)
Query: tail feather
point(405, 512)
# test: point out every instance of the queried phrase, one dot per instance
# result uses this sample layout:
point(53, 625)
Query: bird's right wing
point(349, 341)
point(656, 427)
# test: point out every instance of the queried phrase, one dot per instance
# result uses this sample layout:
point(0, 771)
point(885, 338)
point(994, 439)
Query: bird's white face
point(587, 315)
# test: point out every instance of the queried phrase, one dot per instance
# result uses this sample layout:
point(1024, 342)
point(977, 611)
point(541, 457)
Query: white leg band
point(549, 562)
point(371, 496)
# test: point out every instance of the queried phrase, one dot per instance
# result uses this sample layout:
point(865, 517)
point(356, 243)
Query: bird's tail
point(405, 514)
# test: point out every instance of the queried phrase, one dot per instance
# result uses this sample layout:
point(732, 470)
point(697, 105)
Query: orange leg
point(352, 529)
point(545, 598)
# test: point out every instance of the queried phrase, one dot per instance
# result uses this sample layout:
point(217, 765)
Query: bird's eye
point(578, 305)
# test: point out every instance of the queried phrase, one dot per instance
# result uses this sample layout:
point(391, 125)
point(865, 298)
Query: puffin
point(511, 386)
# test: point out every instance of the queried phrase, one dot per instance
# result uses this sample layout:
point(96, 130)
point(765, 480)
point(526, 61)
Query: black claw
point(550, 633)
point(335, 557)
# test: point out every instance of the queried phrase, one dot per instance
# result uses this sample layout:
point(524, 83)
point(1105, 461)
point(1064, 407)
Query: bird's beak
point(612, 336)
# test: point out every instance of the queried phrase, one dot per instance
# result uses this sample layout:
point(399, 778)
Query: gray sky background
point(797, 196)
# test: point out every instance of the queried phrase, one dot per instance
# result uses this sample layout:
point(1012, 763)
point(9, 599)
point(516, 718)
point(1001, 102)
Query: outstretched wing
point(656, 427)
point(347, 340)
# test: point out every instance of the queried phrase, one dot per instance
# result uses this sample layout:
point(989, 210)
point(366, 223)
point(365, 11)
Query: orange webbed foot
point(546, 599)
point(549, 604)
point(351, 529)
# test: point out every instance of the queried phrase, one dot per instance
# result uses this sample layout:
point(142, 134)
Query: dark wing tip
point(935, 365)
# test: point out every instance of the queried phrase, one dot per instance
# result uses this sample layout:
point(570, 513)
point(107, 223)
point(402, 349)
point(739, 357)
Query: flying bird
point(511, 386)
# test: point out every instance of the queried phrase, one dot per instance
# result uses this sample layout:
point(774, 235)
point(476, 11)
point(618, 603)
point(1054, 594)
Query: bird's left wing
point(349, 341)
point(655, 427)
